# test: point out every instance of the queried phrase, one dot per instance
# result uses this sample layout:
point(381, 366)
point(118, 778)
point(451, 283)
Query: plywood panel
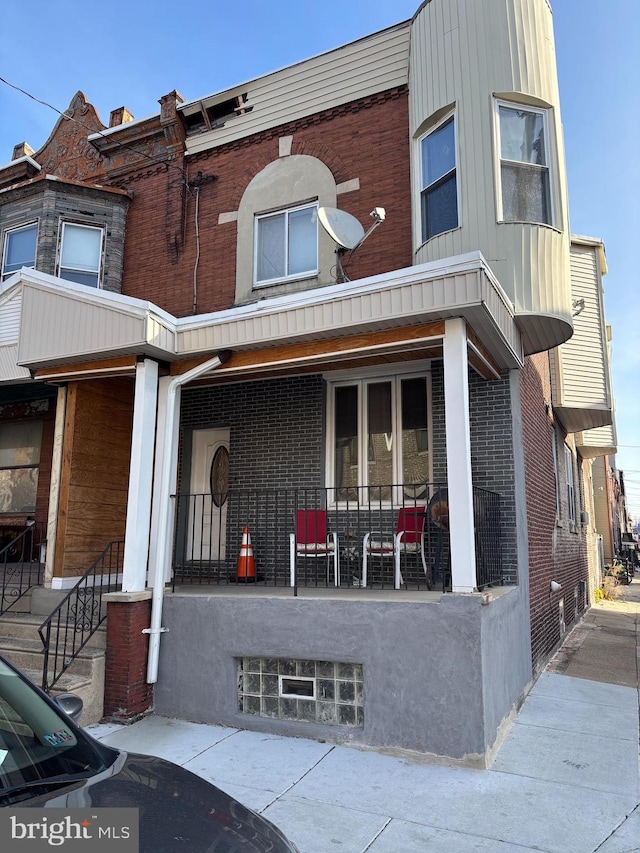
point(95, 476)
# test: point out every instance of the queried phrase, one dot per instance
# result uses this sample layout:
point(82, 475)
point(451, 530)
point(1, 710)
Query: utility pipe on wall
point(165, 530)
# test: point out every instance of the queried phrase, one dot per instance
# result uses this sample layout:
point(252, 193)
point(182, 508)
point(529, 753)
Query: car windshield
point(37, 743)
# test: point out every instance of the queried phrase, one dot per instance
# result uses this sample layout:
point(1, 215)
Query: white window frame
point(547, 167)
point(287, 211)
point(6, 238)
point(98, 273)
point(362, 380)
point(450, 117)
point(289, 678)
point(571, 489)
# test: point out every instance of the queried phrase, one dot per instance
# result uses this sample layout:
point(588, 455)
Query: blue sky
point(127, 53)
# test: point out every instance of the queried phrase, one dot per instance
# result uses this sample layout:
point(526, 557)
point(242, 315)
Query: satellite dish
point(343, 228)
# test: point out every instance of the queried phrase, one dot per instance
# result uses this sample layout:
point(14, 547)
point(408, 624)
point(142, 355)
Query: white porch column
point(456, 398)
point(164, 481)
point(136, 546)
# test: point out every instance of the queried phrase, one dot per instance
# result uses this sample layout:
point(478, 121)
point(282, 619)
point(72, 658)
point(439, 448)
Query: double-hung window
point(81, 253)
point(524, 164)
point(439, 192)
point(19, 249)
point(380, 437)
point(571, 492)
point(556, 478)
point(286, 244)
point(19, 463)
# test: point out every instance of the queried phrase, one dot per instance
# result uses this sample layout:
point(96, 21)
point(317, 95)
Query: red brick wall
point(126, 692)
point(368, 140)
point(556, 551)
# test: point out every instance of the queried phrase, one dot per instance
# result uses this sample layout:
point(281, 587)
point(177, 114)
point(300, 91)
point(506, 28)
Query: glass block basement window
point(312, 691)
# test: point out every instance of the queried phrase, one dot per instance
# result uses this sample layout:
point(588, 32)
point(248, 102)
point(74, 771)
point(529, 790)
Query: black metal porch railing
point(209, 536)
point(79, 615)
point(21, 562)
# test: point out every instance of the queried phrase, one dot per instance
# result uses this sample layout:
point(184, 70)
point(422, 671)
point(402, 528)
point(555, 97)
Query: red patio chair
point(408, 539)
point(311, 540)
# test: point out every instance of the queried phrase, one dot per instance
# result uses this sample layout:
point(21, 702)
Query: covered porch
point(363, 402)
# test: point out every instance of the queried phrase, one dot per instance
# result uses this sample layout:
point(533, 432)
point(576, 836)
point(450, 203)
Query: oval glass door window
point(219, 477)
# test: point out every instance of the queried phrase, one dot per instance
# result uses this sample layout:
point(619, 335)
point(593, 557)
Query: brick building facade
point(410, 377)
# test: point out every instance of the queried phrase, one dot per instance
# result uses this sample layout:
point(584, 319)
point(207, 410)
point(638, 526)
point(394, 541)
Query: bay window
point(379, 437)
point(524, 164)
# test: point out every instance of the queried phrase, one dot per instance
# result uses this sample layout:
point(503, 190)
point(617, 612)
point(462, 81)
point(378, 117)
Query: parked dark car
point(48, 760)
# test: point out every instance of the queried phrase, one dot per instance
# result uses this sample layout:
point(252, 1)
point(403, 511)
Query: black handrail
point(79, 615)
point(20, 563)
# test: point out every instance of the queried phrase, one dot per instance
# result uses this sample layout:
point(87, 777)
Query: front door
point(209, 487)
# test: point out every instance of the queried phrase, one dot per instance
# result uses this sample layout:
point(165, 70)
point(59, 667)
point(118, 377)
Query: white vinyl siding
point(580, 376)
point(450, 43)
point(364, 67)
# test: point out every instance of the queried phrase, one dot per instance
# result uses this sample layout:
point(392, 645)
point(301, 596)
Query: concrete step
point(29, 654)
point(90, 690)
point(68, 683)
point(21, 644)
point(44, 601)
point(25, 626)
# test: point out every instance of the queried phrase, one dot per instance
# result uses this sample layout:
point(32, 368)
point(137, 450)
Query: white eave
point(462, 286)
point(61, 322)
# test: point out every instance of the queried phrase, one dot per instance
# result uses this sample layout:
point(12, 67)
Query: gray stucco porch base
point(441, 674)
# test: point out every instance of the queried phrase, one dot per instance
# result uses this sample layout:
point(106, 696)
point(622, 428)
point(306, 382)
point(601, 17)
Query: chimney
point(119, 116)
point(22, 150)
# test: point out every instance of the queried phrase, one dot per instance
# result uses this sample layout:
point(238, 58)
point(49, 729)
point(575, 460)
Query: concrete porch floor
point(339, 593)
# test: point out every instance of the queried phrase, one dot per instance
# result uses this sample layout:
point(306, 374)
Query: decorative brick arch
point(282, 183)
point(325, 154)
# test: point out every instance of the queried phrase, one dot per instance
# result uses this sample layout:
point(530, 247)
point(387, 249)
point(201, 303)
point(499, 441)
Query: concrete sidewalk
point(566, 778)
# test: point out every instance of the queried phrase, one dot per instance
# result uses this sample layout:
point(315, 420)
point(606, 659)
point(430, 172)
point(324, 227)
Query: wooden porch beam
point(287, 356)
point(124, 365)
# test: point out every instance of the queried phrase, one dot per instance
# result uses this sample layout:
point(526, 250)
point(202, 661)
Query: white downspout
point(163, 496)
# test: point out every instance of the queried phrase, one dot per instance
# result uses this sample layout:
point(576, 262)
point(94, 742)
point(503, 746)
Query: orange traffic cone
point(246, 567)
